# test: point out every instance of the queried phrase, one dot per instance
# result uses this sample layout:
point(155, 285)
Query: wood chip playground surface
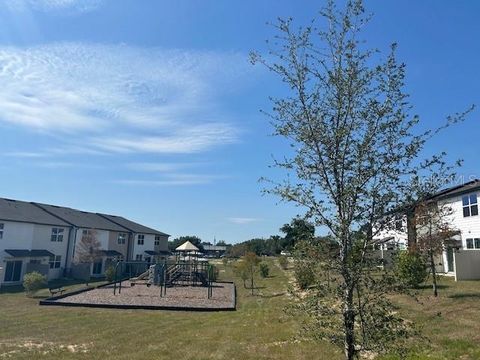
point(193, 298)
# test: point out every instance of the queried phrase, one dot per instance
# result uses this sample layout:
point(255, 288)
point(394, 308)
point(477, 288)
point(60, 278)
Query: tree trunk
point(251, 283)
point(349, 323)
point(434, 274)
point(411, 229)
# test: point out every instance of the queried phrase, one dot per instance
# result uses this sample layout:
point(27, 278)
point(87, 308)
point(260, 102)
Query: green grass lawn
point(259, 329)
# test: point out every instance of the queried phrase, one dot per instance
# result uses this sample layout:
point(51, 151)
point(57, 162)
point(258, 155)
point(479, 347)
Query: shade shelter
point(187, 249)
point(187, 246)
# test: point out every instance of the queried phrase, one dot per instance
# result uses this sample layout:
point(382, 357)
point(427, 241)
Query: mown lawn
point(259, 329)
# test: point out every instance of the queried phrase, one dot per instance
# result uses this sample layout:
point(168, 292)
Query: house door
point(450, 259)
point(13, 271)
point(97, 268)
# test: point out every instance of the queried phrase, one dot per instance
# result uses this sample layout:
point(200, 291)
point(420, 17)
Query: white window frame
point(139, 257)
point(122, 239)
point(474, 244)
point(57, 235)
point(55, 261)
point(2, 227)
point(157, 240)
point(468, 205)
point(140, 239)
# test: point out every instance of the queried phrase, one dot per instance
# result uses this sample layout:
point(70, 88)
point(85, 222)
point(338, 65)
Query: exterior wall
point(148, 244)
point(469, 227)
point(114, 245)
point(28, 236)
point(398, 236)
point(163, 246)
point(42, 240)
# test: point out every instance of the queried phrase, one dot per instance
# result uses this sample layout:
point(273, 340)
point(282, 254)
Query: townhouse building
point(461, 255)
point(46, 238)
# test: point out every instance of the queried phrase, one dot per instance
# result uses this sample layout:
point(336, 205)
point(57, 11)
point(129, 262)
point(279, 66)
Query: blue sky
point(150, 109)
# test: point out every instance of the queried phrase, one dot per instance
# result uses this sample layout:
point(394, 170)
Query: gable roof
point(131, 225)
point(81, 219)
point(22, 211)
point(457, 190)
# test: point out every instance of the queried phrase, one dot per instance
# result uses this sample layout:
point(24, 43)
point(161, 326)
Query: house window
point(122, 238)
point(138, 257)
point(1, 230)
point(470, 205)
point(157, 240)
point(141, 239)
point(55, 261)
point(398, 223)
point(473, 243)
point(57, 235)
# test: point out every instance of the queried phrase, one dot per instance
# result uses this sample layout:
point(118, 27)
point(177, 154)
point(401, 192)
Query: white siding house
point(30, 238)
point(461, 257)
point(45, 238)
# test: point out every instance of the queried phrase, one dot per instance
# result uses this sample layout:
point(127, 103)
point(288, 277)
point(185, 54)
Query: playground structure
point(167, 274)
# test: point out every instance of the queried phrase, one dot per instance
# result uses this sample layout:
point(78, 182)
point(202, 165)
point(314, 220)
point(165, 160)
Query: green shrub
point(283, 261)
point(304, 274)
point(264, 270)
point(225, 262)
point(110, 274)
point(411, 268)
point(33, 282)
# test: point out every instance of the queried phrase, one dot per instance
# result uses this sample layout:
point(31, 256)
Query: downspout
point(67, 251)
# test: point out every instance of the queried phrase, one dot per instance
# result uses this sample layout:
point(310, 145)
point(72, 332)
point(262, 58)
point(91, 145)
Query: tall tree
point(298, 230)
point(355, 146)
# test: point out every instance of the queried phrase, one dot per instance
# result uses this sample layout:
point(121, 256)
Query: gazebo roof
point(187, 246)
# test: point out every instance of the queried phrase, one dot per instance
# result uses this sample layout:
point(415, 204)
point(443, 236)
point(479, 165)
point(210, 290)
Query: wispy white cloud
point(24, 154)
point(173, 180)
point(242, 220)
point(160, 167)
point(120, 99)
point(56, 6)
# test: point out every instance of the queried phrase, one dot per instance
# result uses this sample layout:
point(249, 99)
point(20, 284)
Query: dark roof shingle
point(132, 226)
point(81, 219)
point(22, 211)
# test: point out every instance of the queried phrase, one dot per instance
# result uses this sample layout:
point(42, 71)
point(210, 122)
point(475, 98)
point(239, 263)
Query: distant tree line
point(297, 230)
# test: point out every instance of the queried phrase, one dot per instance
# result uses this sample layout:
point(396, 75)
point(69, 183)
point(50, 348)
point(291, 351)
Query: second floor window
point(122, 239)
point(141, 239)
point(470, 205)
point(1, 230)
point(57, 235)
point(157, 240)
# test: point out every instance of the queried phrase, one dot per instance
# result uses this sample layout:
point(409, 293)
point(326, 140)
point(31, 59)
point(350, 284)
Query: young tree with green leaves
point(251, 261)
point(355, 148)
point(434, 230)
